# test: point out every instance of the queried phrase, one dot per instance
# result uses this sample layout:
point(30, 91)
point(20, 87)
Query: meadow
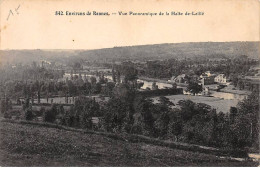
point(34, 145)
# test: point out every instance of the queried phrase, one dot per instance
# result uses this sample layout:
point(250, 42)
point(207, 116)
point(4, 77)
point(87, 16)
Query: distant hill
point(142, 52)
point(27, 56)
point(177, 50)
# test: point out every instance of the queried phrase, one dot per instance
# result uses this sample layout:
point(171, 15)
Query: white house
point(221, 78)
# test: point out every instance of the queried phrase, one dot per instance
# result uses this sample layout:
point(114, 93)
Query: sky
point(32, 24)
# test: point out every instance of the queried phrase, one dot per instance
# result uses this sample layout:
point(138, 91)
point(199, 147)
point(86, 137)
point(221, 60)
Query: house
point(205, 80)
point(206, 91)
point(208, 73)
point(221, 78)
point(179, 79)
point(194, 78)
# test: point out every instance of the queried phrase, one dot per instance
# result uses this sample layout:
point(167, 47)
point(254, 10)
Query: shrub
point(49, 116)
point(29, 115)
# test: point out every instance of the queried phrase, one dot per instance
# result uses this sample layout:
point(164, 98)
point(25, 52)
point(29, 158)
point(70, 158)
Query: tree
point(80, 115)
point(187, 109)
point(108, 90)
point(97, 88)
point(234, 79)
point(154, 86)
point(194, 88)
point(143, 117)
point(116, 111)
point(26, 104)
point(162, 123)
point(233, 114)
point(29, 115)
point(175, 125)
point(240, 84)
point(139, 85)
point(3, 106)
point(113, 75)
point(246, 124)
point(93, 80)
point(130, 74)
point(50, 115)
point(6, 105)
point(162, 111)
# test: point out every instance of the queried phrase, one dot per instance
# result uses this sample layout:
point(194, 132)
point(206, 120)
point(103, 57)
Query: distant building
point(221, 78)
point(208, 73)
point(207, 78)
point(179, 79)
point(194, 78)
point(206, 91)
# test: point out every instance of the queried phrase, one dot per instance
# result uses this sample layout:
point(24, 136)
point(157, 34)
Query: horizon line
point(79, 49)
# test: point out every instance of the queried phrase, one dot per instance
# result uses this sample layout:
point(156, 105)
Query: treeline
point(29, 72)
point(15, 89)
point(190, 122)
point(174, 67)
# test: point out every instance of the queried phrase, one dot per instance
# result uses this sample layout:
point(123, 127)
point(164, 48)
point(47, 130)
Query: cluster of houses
point(206, 78)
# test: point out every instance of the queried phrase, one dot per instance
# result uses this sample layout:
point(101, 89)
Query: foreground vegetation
point(32, 145)
point(130, 113)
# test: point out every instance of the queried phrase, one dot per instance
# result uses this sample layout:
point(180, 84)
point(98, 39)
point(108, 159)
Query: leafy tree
point(115, 114)
point(29, 115)
point(163, 109)
point(162, 123)
point(143, 117)
point(240, 84)
point(187, 109)
point(139, 85)
point(93, 80)
point(5, 105)
point(50, 115)
point(221, 131)
point(97, 88)
point(233, 114)
point(194, 88)
point(154, 86)
point(246, 123)
point(108, 89)
point(175, 125)
point(130, 74)
point(26, 104)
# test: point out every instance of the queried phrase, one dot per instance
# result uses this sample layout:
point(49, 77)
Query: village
point(213, 88)
point(195, 101)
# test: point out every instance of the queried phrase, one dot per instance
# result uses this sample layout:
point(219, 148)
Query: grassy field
point(217, 103)
point(32, 145)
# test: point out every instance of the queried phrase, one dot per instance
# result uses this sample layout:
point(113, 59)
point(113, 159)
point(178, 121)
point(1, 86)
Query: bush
point(49, 116)
point(28, 115)
point(7, 115)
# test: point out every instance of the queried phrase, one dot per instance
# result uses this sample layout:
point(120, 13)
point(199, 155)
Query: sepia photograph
point(111, 83)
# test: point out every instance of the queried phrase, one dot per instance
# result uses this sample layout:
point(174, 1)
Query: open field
point(231, 89)
point(32, 145)
point(217, 103)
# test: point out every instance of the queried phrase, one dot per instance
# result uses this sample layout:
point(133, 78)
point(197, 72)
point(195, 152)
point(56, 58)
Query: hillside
point(142, 52)
point(177, 50)
point(33, 145)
